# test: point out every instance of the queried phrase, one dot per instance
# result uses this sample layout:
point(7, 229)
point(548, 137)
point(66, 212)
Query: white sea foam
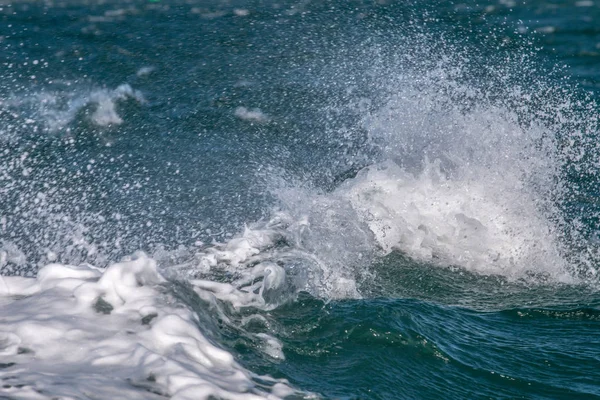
point(54, 109)
point(468, 187)
point(475, 224)
point(10, 253)
point(145, 71)
point(252, 115)
point(105, 113)
point(116, 333)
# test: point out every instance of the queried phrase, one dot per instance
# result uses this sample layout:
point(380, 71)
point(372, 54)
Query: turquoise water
point(425, 175)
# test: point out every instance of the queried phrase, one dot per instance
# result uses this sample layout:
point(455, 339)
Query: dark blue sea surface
point(419, 180)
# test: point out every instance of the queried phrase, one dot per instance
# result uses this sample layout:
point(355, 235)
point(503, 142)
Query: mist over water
point(295, 200)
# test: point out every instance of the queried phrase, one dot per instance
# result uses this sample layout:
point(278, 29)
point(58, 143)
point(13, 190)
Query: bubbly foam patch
point(271, 261)
point(116, 333)
point(252, 115)
point(55, 109)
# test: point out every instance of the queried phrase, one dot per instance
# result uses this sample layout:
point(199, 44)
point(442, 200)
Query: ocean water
point(299, 199)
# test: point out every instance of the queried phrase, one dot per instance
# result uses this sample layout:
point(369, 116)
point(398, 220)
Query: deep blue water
point(168, 127)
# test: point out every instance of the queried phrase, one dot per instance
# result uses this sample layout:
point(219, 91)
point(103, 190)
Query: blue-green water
point(429, 172)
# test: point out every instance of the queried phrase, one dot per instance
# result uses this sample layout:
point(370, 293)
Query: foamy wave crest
point(471, 186)
point(462, 180)
point(117, 333)
point(271, 261)
point(474, 224)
